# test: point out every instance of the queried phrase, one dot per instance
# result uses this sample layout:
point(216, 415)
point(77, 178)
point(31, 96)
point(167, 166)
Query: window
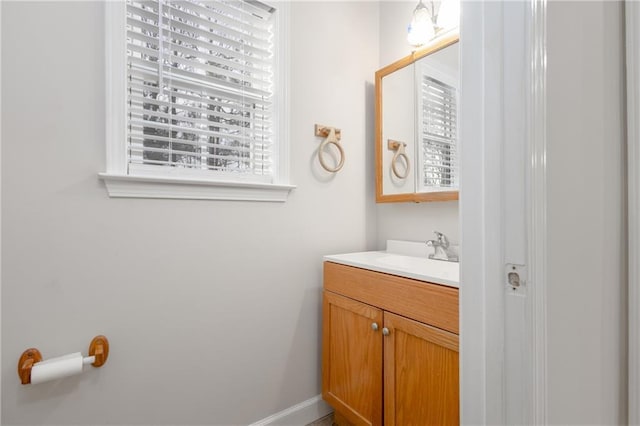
point(438, 133)
point(197, 99)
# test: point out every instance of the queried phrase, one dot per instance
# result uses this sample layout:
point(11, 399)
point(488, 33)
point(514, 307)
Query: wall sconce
point(430, 20)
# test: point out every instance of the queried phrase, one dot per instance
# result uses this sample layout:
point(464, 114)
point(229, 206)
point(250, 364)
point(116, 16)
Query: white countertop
point(409, 266)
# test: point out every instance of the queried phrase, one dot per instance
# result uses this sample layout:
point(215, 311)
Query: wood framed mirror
point(416, 120)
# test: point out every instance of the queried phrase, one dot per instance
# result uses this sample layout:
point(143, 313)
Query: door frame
point(503, 368)
point(632, 28)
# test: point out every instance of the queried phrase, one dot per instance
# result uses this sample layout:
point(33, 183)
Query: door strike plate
point(516, 278)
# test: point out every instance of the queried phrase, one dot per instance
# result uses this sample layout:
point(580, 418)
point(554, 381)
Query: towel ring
point(398, 147)
point(332, 138)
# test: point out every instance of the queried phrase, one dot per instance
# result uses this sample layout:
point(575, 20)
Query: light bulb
point(449, 14)
point(421, 27)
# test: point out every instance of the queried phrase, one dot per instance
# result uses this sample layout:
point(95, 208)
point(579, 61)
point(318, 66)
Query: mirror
point(416, 125)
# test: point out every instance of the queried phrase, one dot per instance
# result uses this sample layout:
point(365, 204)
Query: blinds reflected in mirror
point(200, 86)
point(438, 134)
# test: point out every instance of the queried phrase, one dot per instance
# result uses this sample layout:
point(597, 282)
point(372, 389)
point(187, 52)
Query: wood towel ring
point(399, 152)
point(332, 136)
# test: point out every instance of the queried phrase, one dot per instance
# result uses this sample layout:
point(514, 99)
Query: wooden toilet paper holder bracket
point(98, 348)
point(27, 359)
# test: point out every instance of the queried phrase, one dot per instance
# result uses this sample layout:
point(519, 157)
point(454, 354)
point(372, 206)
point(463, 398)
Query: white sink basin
point(406, 259)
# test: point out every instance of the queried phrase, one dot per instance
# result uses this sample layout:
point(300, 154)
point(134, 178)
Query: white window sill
point(128, 186)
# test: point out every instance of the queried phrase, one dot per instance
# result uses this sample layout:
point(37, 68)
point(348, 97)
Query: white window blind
point(439, 134)
point(200, 88)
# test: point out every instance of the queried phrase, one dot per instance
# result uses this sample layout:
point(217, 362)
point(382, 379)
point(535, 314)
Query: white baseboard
point(299, 415)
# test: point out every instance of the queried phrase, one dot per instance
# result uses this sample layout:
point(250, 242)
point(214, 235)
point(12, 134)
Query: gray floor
point(325, 421)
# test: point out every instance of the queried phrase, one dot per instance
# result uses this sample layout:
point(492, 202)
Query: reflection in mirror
point(437, 77)
point(398, 126)
point(416, 111)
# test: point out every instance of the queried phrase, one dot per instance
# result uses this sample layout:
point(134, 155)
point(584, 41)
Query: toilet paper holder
point(98, 349)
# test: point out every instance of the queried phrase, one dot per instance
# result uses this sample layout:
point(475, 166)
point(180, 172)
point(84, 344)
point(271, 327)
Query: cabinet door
point(420, 374)
point(352, 359)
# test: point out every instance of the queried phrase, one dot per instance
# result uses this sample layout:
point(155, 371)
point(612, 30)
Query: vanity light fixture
point(430, 20)
point(421, 29)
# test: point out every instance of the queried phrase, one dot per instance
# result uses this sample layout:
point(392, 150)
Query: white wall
point(408, 221)
point(212, 308)
point(586, 214)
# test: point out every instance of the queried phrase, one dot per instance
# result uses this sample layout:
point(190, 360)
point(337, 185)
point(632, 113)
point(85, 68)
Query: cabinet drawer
point(432, 304)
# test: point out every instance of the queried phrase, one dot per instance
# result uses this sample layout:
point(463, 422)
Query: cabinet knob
point(374, 326)
point(385, 331)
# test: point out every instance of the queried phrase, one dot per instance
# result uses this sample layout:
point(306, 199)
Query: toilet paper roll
point(56, 368)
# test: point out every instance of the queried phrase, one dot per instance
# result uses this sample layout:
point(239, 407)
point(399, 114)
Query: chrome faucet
point(441, 249)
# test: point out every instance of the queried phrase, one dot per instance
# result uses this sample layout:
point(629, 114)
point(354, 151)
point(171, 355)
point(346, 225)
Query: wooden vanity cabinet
point(420, 374)
point(352, 359)
point(380, 366)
